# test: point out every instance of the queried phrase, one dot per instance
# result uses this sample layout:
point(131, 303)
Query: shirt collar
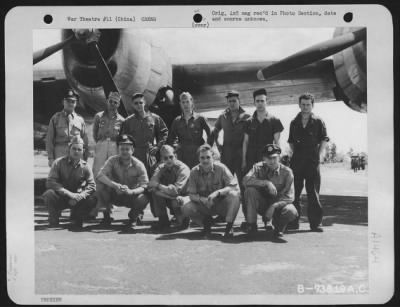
point(66, 114)
point(255, 114)
point(194, 115)
point(277, 171)
point(71, 162)
point(203, 172)
point(113, 116)
point(228, 111)
point(131, 162)
point(299, 120)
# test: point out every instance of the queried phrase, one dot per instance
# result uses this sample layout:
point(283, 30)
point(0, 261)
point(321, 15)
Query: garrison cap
point(76, 140)
point(70, 94)
point(261, 91)
point(136, 95)
point(271, 150)
point(126, 139)
point(115, 96)
point(232, 93)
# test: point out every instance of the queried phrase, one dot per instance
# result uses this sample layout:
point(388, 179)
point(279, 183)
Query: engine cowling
point(136, 63)
point(350, 70)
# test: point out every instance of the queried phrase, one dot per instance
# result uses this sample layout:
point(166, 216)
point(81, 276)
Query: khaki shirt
point(134, 175)
point(204, 183)
point(106, 127)
point(62, 127)
point(64, 175)
point(175, 177)
point(281, 178)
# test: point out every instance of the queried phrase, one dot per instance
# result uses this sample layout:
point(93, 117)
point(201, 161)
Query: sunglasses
point(138, 102)
point(205, 157)
point(165, 158)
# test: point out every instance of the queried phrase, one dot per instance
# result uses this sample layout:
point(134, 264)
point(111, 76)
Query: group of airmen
point(139, 161)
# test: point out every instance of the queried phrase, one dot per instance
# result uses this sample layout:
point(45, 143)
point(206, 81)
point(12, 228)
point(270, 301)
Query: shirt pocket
point(76, 129)
point(62, 130)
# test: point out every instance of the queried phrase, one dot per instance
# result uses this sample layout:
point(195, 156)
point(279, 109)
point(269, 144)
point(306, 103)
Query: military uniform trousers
point(107, 196)
point(188, 154)
point(312, 178)
point(56, 203)
point(104, 149)
point(258, 201)
point(226, 206)
point(60, 150)
point(161, 204)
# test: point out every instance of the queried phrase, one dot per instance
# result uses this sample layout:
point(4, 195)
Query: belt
point(113, 139)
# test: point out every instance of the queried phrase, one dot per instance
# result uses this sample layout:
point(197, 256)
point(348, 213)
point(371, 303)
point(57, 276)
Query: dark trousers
point(232, 158)
point(312, 178)
point(56, 203)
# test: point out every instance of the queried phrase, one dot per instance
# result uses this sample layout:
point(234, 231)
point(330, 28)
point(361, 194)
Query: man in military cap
point(269, 192)
point(122, 181)
point(261, 129)
point(167, 187)
point(212, 190)
point(63, 126)
point(232, 121)
point(307, 139)
point(106, 128)
point(145, 127)
point(71, 185)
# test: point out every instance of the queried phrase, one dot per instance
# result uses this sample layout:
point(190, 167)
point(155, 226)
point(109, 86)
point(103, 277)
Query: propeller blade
point(44, 53)
point(105, 75)
point(312, 54)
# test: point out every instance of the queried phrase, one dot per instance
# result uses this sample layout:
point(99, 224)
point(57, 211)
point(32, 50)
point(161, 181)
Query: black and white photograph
point(291, 214)
point(201, 163)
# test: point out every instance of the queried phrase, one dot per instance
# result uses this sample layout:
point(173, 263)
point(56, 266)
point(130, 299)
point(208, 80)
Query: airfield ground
point(111, 261)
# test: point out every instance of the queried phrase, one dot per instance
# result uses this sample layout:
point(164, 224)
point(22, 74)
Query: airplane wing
point(208, 83)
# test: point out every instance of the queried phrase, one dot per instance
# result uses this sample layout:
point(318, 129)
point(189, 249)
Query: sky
point(347, 128)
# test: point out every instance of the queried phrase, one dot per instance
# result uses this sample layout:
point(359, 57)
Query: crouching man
point(122, 181)
point(167, 186)
point(212, 190)
point(269, 192)
point(70, 185)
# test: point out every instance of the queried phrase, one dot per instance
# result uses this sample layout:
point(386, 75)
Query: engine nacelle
point(136, 63)
point(350, 70)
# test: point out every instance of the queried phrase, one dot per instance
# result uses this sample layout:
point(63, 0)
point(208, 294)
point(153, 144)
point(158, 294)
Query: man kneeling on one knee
point(212, 190)
point(167, 187)
point(269, 192)
point(70, 185)
point(122, 181)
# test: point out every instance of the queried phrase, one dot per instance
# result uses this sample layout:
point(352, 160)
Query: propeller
point(90, 37)
point(312, 54)
point(44, 53)
point(104, 74)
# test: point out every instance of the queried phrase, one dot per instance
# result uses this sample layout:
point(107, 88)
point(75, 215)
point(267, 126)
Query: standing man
point(307, 140)
point(212, 190)
point(106, 128)
point(269, 192)
point(261, 129)
point(63, 126)
point(71, 185)
point(145, 127)
point(122, 181)
point(232, 121)
point(186, 134)
point(167, 186)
